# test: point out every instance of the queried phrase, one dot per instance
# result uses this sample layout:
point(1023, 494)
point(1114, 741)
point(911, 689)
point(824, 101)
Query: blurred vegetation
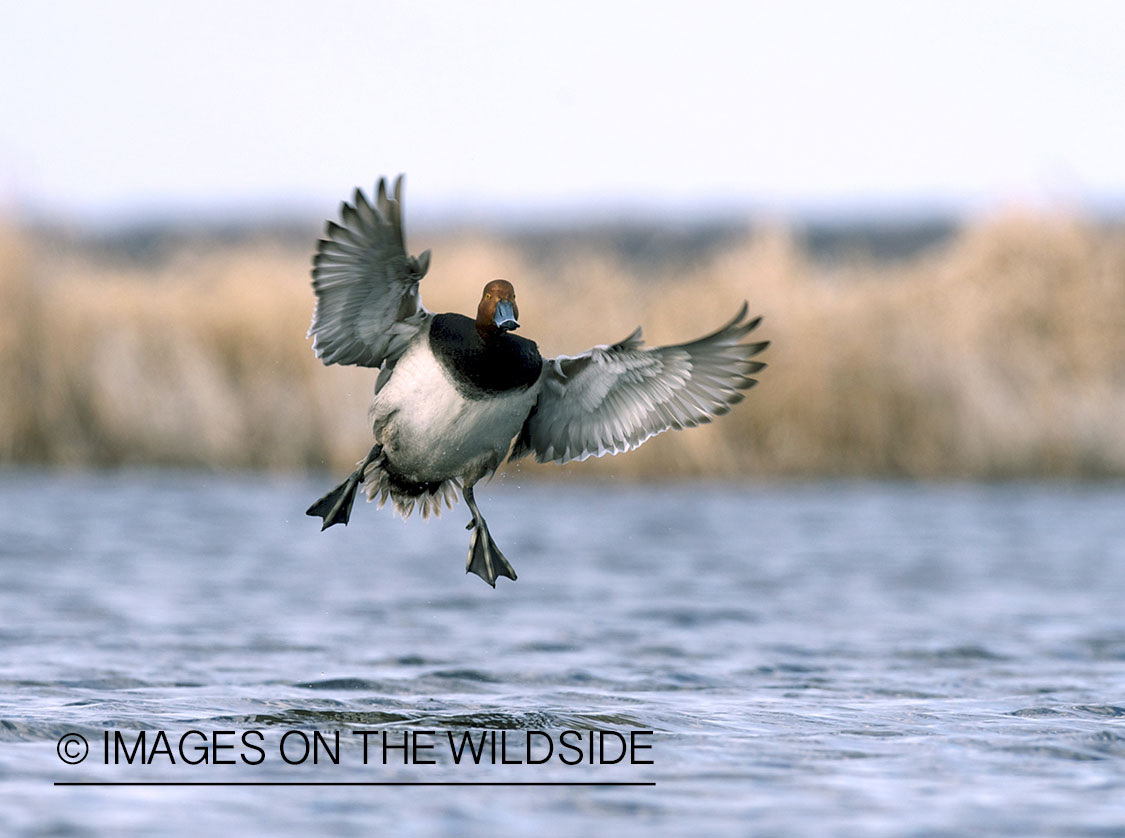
point(995, 351)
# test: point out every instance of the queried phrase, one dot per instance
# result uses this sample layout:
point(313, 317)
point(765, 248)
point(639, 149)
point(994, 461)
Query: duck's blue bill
point(505, 317)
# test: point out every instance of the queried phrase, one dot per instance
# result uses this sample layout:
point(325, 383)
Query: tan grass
point(999, 354)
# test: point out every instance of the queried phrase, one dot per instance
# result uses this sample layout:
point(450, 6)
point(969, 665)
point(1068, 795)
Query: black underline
point(355, 783)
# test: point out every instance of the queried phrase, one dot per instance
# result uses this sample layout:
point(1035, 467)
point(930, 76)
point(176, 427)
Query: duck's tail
point(381, 482)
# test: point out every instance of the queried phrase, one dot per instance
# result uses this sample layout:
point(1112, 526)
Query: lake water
point(841, 658)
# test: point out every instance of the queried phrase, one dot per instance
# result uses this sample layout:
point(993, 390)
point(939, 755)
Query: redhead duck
point(455, 396)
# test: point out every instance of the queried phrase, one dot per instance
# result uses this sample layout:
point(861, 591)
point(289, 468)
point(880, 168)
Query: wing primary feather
point(366, 285)
point(614, 398)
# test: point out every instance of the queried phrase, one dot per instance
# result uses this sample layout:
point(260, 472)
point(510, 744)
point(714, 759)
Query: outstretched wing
point(611, 399)
point(367, 304)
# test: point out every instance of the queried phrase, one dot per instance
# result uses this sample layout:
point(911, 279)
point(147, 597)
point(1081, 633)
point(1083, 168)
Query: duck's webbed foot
point(336, 506)
point(485, 558)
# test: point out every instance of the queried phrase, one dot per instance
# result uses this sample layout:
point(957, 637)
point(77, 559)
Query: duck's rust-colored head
point(497, 311)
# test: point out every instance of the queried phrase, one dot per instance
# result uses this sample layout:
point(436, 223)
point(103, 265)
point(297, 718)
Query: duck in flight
point(454, 395)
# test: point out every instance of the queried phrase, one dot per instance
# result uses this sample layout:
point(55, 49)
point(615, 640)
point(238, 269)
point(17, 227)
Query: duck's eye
point(488, 296)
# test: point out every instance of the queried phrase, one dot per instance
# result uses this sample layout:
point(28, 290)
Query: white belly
point(430, 432)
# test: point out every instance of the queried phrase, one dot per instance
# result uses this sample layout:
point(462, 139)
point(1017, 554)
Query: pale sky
point(113, 111)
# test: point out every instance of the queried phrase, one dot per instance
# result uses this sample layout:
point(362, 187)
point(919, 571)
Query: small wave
point(876, 734)
point(532, 720)
point(549, 646)
point(787, 669)
point(14, 731)
point(1055, 752)
point(1037, 712)
point(340, 684)
point(1111, 710)
point(693, 617)
point(952, 655)
point(1101, 710)
point(464, 675)
point(418, 718)
point(1106, 742)
point(316, 718)
point(111, 682)
point(893, 692)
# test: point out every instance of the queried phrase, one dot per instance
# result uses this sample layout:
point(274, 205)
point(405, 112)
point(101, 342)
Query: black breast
point(501, 364)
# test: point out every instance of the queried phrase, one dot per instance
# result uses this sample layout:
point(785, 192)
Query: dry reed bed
point(1000, 354)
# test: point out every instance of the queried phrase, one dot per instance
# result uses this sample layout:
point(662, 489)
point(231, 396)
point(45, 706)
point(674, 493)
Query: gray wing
point(367, 304)
point(613, 398)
